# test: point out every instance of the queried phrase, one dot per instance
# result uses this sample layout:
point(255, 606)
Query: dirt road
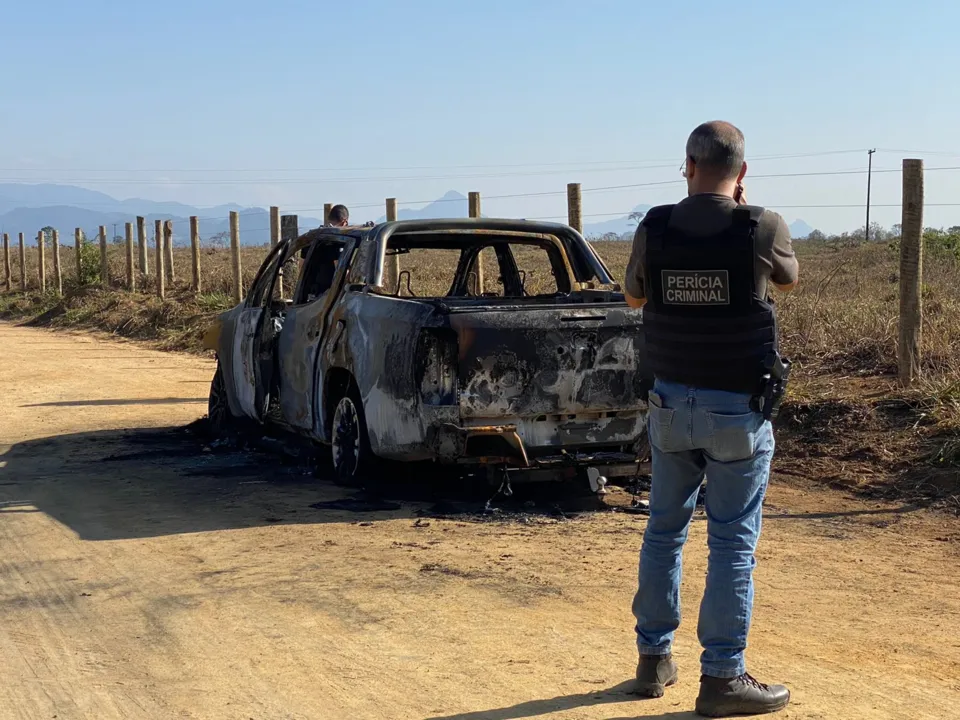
point(143, 577)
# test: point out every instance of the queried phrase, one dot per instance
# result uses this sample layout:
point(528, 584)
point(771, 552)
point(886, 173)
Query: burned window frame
point(346, 245)
point(587, 270)
point(508, 267)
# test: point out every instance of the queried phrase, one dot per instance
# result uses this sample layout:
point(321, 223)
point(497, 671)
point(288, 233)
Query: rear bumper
point(546, 442)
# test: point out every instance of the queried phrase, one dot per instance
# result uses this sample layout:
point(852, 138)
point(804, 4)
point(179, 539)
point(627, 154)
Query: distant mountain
point(799, 229)
point(27, 208)
point(451, 205)
point(18, 195)
point(624, 226)
point(619, 226)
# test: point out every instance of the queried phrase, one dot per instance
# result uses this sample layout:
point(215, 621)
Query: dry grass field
point(846, 421)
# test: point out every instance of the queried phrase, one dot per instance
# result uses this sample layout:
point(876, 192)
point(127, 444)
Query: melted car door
point(305, 329)
point(254, 333)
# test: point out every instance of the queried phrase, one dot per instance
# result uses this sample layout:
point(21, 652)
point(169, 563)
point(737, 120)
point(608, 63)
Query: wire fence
point(221, 255)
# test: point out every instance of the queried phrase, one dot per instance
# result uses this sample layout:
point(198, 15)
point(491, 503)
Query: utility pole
point(866, 230)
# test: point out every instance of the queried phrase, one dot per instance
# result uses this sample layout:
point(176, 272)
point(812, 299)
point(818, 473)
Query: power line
point(571, 164)
point(860, 205)
point(459, 199)
point(772, 206)
point(945, 153)
point(322, 180)
point(820, 173)
point(317, 181)
point(609, 188)
point(629, 186)
point(614, 188)
point(99, 181)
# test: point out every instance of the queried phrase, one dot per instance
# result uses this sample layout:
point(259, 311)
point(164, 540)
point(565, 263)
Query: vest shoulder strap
point(747, 216)
point(655, 222)
point(658, 215)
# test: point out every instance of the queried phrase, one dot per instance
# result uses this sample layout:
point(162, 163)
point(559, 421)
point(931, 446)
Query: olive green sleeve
point(633, 281)
point(785, 268)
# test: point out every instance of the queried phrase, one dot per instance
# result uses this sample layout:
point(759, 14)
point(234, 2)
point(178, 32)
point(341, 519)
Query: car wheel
point(350, 446)
point(221, 420)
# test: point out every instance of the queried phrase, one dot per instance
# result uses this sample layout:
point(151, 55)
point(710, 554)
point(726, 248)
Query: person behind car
point(339, 216)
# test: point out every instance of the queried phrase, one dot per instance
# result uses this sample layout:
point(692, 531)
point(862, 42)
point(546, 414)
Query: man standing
point(700, 270)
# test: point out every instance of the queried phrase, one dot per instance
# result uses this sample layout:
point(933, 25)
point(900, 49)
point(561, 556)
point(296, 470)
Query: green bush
point(940, 244)
point(89, 262)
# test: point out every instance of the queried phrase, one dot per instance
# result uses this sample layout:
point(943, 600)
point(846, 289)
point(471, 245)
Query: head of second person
point(714, 162)
point(339, 216)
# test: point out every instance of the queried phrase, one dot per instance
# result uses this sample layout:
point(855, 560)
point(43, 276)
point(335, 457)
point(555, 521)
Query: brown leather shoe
point(726, 697)
point(654, 673)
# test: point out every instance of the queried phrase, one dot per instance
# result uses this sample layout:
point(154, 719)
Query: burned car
point(503, 343)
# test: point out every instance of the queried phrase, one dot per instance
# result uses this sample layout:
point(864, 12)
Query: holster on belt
point(776, 375)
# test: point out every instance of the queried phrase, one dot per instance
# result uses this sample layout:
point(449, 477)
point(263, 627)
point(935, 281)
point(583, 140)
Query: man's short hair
point(339, 214)
point(717, 147)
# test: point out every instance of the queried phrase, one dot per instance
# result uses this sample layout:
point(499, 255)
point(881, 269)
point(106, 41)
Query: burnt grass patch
point(890, 448)
point(866, 358)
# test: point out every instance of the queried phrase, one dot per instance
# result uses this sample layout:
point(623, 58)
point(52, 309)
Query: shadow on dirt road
point(539, 708)
point(140, 483)
point(120, 401)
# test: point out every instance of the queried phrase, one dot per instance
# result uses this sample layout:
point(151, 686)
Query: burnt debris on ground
point(430, 491)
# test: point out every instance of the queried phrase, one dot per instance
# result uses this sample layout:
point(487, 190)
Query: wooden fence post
point(235, 256)
point(327, 207)
point(911, 272)
point(104, 264)
point(274, 225)
point(78, 247)
point(195, 252)
point(289, 227)
point(473, 206)
point(574, 207)
point(158, 257)
point(289, 231)
point(142, 246)
point(57, 274)
point(6, 262)
point(392, 269)
point(23, 264)
point(274, 241)
point(473, 203)
point(131, 276)
point(168, 250)
point(41, 262)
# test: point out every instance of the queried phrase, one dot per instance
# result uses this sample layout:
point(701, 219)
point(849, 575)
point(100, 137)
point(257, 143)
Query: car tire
point(353, 460)
point(220, 420)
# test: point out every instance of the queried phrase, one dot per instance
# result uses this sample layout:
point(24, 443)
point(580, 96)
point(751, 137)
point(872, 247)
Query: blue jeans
point(697, 433)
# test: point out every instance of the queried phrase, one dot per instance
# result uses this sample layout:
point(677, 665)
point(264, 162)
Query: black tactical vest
point(705, 325)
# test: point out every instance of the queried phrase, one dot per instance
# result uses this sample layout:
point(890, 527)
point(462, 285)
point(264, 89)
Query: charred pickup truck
point(497, 342)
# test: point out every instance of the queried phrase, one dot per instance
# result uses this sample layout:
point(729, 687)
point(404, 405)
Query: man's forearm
point(635, 303)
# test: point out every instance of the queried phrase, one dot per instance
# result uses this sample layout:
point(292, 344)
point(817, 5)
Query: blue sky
point(298, 104)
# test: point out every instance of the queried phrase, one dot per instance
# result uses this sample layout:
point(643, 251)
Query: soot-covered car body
point(501, 342)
